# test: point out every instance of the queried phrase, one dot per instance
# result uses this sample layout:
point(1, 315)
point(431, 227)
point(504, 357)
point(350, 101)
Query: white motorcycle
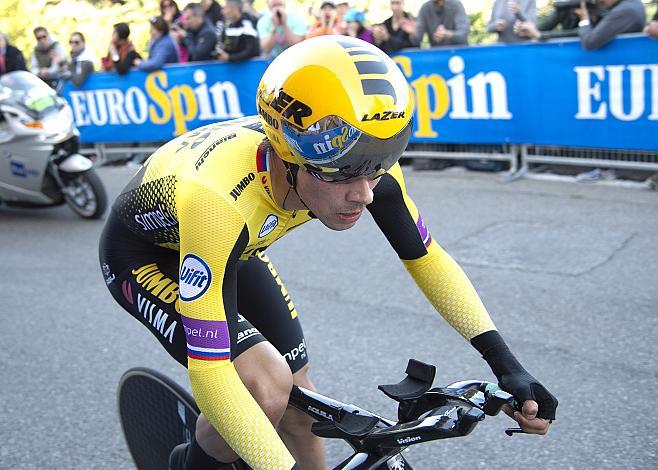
point(39, 161)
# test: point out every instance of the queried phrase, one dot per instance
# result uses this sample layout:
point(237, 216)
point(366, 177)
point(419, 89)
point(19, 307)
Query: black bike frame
point(324, 409)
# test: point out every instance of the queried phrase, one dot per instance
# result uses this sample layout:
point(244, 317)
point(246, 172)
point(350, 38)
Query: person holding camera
point(505, 15)
point(326, 23)
point(279, 29)
point(395, 33)
point(561, 22)
point(239, 40)
point(599, 21)
point(623, 16)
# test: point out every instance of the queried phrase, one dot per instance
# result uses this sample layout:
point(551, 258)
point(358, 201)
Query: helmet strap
point(291, 178)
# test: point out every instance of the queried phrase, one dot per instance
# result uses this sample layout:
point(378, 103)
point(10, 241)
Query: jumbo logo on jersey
point(269, 225)
point(244, 182)
point(194, 279)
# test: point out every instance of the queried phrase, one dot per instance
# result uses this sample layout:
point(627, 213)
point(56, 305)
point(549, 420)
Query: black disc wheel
point(156, 415)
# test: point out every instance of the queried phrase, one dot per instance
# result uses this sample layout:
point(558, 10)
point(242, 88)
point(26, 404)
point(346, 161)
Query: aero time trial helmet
point(337, 106)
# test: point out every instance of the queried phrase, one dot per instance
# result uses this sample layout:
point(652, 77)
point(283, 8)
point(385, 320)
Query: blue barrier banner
point(158, 106)
point(552, 93)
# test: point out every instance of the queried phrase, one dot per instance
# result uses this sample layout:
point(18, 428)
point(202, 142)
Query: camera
point(572, 3)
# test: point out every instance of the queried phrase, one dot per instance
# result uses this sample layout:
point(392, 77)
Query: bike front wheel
point(85, 194)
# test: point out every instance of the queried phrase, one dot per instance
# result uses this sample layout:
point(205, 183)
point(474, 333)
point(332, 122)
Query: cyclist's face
point(337, 205)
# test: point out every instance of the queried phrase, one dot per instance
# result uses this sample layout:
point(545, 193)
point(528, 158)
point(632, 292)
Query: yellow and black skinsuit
point(182, 252)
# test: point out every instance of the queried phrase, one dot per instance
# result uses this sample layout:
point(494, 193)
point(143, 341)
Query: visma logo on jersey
point(194, 278)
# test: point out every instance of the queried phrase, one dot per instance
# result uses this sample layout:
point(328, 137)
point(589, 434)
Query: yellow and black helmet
point(337, 106)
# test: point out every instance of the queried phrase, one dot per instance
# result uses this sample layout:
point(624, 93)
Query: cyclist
point(183, 248)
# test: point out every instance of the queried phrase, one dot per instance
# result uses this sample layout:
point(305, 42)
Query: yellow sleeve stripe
point(449, 290)
point(231, 409)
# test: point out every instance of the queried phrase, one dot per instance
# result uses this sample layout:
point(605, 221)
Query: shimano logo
point(408, 440)
point(206, 153)
point(244, 182)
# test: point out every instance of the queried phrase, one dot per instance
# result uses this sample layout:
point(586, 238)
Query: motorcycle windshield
point(28, 92)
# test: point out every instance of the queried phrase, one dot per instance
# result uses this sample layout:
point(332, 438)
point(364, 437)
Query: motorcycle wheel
point(85, 194)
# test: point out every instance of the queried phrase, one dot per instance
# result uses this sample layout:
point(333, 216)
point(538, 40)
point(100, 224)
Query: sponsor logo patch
point(127, 290)
point(270, 224)
point(291, 109)
point(157, 284)
point(207, 340)
point(157, 317)
point(385, 116)
point(408, 440)
point(297, 352)
point(107, 273)
point(323, 147)
point(244, 182)
point(206, 152)
point(194, 278)
point(157, 218)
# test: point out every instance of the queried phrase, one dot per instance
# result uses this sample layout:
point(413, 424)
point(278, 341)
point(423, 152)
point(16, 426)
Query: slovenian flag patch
point(424, 233)
point(207, 340)
point(261, 160)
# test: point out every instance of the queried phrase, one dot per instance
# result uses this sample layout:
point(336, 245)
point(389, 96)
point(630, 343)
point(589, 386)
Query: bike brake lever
point(511, 431)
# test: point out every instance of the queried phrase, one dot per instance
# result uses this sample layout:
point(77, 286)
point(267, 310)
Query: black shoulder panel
point(394, 220)
point(230, 286)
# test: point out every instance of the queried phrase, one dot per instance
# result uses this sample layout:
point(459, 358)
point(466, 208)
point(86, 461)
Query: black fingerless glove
point(511, 375)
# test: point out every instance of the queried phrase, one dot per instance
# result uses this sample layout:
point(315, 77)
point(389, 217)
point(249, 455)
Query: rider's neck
point(285, 197)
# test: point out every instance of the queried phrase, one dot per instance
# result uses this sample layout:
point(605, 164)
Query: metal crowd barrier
point(505, 153)
point(589, 157)
point(109, 153)
point(519, 157)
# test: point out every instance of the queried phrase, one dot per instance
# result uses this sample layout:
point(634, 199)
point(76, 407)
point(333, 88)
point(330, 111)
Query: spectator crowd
point(236, 32)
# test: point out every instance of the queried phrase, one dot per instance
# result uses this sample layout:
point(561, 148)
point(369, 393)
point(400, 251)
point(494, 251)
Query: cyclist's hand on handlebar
point(526, 388)
point(527, 418)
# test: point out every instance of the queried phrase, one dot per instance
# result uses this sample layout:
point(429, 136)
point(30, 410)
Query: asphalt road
point(567, 271)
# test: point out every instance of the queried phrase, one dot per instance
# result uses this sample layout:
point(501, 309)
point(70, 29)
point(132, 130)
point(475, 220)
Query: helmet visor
point(336, 150)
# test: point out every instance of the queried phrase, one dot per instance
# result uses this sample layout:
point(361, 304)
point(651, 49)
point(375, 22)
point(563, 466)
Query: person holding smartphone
point(279, 29)
point(326, 23)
